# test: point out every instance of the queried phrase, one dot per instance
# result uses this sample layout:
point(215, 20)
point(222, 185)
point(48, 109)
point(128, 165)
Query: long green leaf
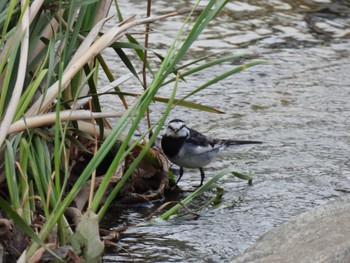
point(7, 88)
point(95, 99)
point(248, 177)
point(29, 151)
point(9, 14)
point(178, 102)
point(201, 67)
point(127, 62)
point(145, 149)
point(132, 117)
point(223, 76)
point(196, 193)
point(202, 21)
point(28, 95)
point(110, 77)
point(10, 173)
point(22, 224)
point(24, 183)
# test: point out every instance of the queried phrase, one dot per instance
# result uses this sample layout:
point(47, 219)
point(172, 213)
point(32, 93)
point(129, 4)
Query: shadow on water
point(297, 104)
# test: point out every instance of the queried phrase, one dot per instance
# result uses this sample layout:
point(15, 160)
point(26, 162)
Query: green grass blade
point(223, 76)
point(196, 193)
point(24, 188)
point(28, 95)
point(126, 62)
point(7, 88)
point(95, 99)
point(9, 14)
point(110, 77)
point(202, 67)
point(28, 150)
point(92, 165)
point(11, 177)
point(248, 177)
point(132, 117)
point(127, 45)
point(133, 42)
point(22, 224)
point(202, 21)
point(177, 102)
point(145, 149)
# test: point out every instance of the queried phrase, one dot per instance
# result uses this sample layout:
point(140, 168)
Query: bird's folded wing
point(198, 139)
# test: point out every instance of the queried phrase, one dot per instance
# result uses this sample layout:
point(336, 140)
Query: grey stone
point(319, 235)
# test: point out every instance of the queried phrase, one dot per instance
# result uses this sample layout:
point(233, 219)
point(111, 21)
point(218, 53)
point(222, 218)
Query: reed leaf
point(177, 102)
point(10, 55)
point(195, 194)
point(223, 76)
point(22, 64)
point(144, 150)
point(43, 90)
point(203, 66)
point(11, 178)
point(22, 225)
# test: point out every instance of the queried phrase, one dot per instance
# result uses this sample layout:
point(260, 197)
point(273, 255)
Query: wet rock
point(319, 235)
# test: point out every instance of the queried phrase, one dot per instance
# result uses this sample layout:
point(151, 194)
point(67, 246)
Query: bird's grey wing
point(199, 139)
point(198, 143)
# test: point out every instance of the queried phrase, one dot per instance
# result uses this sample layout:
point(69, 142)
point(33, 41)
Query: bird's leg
point(181, 174)
point(202, 176)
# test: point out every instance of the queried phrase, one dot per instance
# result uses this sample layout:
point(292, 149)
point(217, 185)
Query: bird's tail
point(236, 142)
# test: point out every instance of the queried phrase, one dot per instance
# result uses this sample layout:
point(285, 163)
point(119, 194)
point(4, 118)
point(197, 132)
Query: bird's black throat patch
point(171, 146)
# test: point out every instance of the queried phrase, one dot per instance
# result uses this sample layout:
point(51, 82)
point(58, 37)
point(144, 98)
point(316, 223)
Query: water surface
point(298, 104)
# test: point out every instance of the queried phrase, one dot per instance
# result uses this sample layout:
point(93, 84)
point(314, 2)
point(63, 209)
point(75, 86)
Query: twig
point(144, 76)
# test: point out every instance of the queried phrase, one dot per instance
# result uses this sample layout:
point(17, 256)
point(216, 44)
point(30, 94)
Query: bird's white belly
point(195, 157)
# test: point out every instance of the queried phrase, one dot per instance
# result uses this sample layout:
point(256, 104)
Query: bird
point(189, 148)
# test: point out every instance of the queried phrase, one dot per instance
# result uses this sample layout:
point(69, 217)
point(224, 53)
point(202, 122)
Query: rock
point(319, 235)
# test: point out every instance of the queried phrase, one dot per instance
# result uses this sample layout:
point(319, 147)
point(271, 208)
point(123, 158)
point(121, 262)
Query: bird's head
point(177, 129)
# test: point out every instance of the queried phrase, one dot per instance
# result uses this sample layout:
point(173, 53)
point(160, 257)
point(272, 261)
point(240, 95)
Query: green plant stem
point(196, 193)
point(141, 155)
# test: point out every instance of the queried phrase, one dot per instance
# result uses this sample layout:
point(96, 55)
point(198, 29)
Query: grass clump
point(51, 118)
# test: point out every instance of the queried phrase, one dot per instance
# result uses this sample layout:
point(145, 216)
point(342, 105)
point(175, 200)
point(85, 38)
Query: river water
point(297, 104)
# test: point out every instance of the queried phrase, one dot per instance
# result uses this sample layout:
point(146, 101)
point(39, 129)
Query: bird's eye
point(175, 129)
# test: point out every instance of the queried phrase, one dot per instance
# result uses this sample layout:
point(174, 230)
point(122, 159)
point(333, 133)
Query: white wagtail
point(188, 148)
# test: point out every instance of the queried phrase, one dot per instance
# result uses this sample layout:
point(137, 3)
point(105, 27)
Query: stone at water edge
point(321, 234)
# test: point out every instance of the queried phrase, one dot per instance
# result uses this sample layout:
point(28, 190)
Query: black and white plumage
point(188, 148)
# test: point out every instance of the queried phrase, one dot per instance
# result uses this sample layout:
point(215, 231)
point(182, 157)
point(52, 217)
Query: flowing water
point(297, 104)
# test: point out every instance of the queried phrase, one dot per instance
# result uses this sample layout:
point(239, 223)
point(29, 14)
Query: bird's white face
point(177, 129)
